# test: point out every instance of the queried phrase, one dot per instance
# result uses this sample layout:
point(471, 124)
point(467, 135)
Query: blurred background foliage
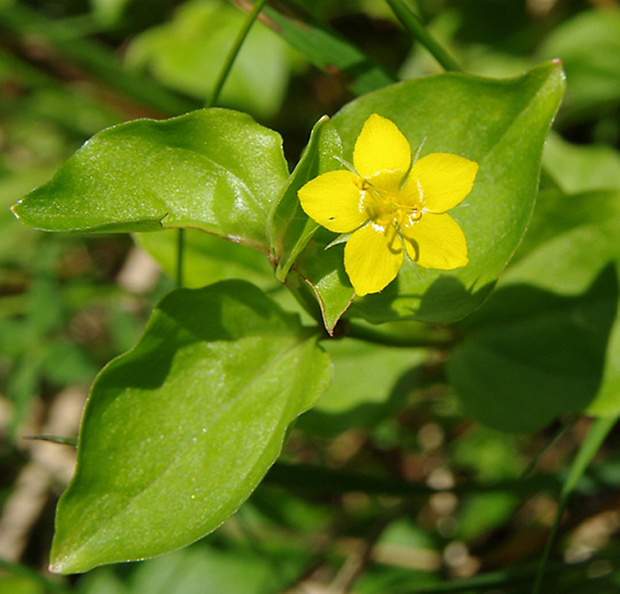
point(472, 521)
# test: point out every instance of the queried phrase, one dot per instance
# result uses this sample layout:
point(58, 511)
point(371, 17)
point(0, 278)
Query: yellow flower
point(392, 207)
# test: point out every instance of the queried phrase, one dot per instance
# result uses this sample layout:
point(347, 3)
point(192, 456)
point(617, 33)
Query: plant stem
point(599, 430)
point(180, 256)
point(369, 334)
point(212, 101)
point(323, 47)
point(412, 23)
point(324, 480)
point(234, 50)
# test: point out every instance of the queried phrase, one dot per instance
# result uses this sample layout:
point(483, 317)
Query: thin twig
point(234, 51)
point(412, 23)
point(212, 101)
point(431, 339)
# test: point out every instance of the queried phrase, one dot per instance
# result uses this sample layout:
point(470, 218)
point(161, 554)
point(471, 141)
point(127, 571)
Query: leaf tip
point(66, 558)
point(58, 565)
point(22, 212)
point(15, 209)
point(558, 65)
point(70, 560)
point(556, 70)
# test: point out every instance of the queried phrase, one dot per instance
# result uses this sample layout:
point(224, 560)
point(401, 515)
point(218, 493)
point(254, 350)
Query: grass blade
point(323, 47)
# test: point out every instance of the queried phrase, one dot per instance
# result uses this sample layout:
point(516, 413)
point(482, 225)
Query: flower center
point(385, 206)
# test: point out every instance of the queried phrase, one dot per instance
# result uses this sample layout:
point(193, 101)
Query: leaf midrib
point(273, 362)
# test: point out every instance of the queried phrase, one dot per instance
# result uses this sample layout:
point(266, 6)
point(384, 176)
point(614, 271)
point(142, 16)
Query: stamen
point(418, 151)
point(416, 156)
point(345, 164)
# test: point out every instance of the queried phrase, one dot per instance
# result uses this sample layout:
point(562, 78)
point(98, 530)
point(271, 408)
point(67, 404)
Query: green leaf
point(212, 169)
point(502, 125)
point(290, 227)
point(570, 240)
point(323, 270)
point(186, 54)
point(179, 431)
point(581, 168)
point(588, 45)
point(592, 443)
point(325, 48)
point(357, 399)
point(530, 355)
point(207, 259)
point(201, 569)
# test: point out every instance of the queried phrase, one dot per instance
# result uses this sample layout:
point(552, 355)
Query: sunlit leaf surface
point(213, 169)
point(179, 431)
point(502, 126)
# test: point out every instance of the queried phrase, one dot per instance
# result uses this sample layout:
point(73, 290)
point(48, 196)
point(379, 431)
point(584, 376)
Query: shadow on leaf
point(530, 355)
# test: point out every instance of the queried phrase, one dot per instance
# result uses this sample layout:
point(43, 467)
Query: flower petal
point(436, 241)
point(372, 258)
point(444, 179)
point(381, 149)
point(333, 200)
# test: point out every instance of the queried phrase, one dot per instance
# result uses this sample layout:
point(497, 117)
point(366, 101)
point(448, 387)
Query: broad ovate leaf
point(530, 355)
point(178, 432)
point(213, 169)
point(571, 240)
point(548, 340)
point(501, 125)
